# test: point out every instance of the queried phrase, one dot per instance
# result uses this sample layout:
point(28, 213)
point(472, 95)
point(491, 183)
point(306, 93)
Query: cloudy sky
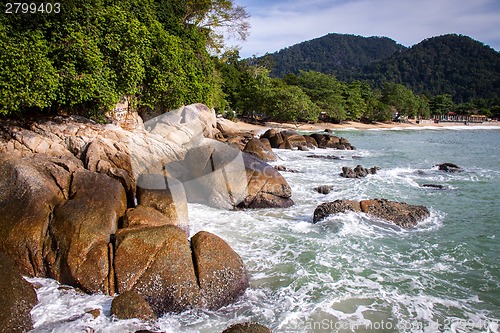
point(280, 23)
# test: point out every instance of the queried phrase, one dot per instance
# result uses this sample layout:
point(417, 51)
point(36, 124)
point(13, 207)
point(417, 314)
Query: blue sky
point(282, 23)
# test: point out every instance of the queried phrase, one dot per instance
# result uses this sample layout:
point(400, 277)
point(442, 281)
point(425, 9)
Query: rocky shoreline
point(105, 209)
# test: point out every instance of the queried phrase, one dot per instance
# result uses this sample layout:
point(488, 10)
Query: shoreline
point(353, 125)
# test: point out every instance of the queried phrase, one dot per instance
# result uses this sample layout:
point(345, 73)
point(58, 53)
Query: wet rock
point(434, 186)
point(399, 213)
point(325, 157)
point(80, 232)
point(283, 168)
point(17, 298)
point(265, 185)
point(109, 157)
point(247, 328)
point(32, 186)
point(266, 143)
point(224, 177)
point(156, 262)
point(335, 207)
point(311, 143)
point(449, 167)
point(331, 141)
point(324, 189)
point(143, 216)
point(94, 312)
point(258, 149)
point(166, 195)
point(292, 140)
point(221, 273)
point(227, 127)
point(276, 141)
point(358, 172)
point(131, 305)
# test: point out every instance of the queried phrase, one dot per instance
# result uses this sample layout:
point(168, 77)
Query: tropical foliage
point(84, 58)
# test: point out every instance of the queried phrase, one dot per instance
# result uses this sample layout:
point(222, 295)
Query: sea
point(349, 272)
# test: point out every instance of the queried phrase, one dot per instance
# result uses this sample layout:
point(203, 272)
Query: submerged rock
point(449, 167)
point(358, 172)
point(325, 157)
point(283, 168)
point(248, 327)
point(324, 189)
point(398, 213)
point(434, 186)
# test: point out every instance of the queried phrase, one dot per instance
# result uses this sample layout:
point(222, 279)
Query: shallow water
point(350, 273)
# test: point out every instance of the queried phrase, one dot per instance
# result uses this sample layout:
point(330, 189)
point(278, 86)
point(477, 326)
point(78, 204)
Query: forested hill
point(450, 64)
point(333, 53)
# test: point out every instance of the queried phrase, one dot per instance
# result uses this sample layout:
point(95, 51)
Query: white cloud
point(279, 24)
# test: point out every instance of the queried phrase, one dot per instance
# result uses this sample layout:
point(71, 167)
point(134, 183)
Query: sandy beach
point(244, 126)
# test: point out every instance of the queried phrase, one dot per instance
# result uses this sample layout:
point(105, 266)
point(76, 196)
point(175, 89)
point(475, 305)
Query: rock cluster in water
point(290, 140)
point(105, 209)
point(399, 213)
point(358, 172)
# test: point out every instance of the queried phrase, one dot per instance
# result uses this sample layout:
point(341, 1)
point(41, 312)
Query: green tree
point(216, 18)
point(28, 78)
point(289, 103)
point(441, 104)
point(324, 90)
point(356, 105)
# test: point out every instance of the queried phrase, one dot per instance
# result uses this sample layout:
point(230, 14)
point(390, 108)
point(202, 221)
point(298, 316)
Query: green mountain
point(333, 53)
point(449, 64)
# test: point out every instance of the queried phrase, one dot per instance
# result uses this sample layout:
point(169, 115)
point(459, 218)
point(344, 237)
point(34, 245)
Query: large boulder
point(80, 253)
point(260, 150)
point(398, 213)
point(292, 140)
point(32, 187)
point(331, 141)
point(227, 127)
point(17, 298)
point(130, 305)
point(221, 176)
point(266, 187)
point(221, 273)
point(335, 207)
point(167, 196)
point(112, 158)
point(156, 262)
point(144, 216)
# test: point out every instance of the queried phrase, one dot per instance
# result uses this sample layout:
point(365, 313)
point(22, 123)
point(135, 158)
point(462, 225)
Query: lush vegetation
point(333, 54)
point(163, 54)
point(310, 96)
point(451, 64)
point(83, 59)
point(447, 73)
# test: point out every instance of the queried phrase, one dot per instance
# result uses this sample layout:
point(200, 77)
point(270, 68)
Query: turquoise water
point(350, 273)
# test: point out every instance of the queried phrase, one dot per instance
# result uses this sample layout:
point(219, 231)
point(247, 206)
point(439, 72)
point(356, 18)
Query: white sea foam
point(348, 268)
